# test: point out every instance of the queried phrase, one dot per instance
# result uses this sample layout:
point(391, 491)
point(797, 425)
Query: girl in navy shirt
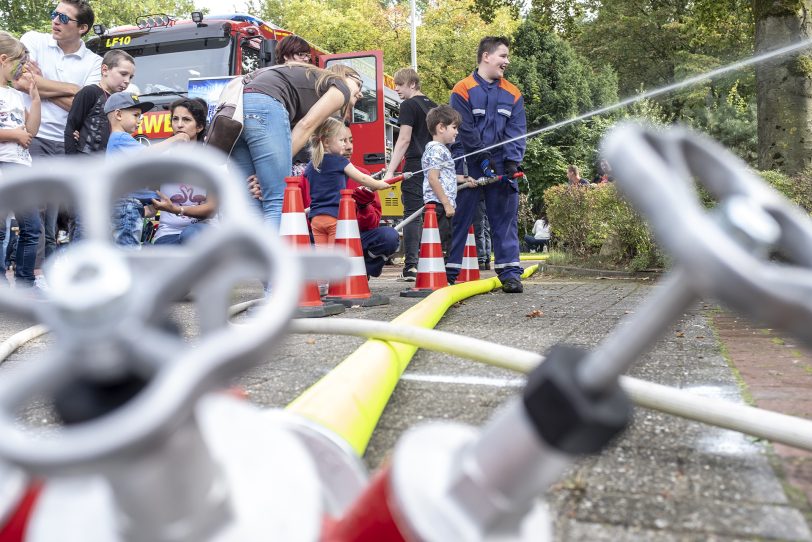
point(327, 174)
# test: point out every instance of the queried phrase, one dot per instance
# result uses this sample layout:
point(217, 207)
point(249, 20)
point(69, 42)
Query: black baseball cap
point(126, 100)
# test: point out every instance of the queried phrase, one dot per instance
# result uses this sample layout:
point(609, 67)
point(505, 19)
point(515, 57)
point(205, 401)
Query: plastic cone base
point(326, 309)
point(373, 300)
point(414, 292)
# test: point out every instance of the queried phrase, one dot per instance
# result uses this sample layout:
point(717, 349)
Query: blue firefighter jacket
point(491, 113)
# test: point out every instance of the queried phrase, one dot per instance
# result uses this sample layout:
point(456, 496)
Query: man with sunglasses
point(61, 65)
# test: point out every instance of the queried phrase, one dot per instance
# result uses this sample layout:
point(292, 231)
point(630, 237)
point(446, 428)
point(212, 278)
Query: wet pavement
point(665, 479)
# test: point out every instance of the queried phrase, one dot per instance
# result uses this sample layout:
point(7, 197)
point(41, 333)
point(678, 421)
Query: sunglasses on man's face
point(64, 19)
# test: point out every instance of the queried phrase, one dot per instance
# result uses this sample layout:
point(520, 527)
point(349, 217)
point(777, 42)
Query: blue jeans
point(44, 148)
point(128, 221)
point(378, 244)
point(189, 232)
point(26, 257)
point(264, 149)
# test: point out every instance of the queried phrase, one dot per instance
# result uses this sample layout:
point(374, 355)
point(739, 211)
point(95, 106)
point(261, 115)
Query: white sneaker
point(409, 275)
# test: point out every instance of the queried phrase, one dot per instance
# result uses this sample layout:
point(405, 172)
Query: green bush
point(596, 225)
point(586, 220)
point(797, 189)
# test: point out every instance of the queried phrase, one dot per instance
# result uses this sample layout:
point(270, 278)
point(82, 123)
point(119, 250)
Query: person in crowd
point(411, 142)
point(604, 174)
point(440, 182)
point(327, 175)
point(18, 127)
point(292, 49)
point(184, 208)
point(295, 49)
point(378, 242)
point(492, 111)
point(124, 111)
point(86, 128)
point(10, 244)
point(61, 65)
point(540, 238)
point(574, 176)
point(282, 107)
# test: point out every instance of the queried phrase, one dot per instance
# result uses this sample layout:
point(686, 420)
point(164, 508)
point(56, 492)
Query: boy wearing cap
point(124, 112)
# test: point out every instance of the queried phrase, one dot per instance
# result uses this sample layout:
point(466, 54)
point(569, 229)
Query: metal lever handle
point(723, 253)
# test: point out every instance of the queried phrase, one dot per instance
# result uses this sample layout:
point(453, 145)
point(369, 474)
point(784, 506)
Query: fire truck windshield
point(166, 67)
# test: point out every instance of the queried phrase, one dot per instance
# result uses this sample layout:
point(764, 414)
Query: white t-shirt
point(12, 115)
point(541, 230)
point(184, 195)
point(80, 68)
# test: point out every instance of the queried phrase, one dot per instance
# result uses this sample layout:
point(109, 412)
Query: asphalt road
point(665, 479)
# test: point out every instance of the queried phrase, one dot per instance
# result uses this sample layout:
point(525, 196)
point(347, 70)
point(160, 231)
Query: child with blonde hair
point(327, 174)
point(18, 127)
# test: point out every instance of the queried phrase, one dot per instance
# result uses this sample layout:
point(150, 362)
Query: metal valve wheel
point(726, 253)
point(108, 316)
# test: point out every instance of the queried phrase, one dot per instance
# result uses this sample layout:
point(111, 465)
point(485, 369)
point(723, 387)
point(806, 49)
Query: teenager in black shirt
point(412, 139)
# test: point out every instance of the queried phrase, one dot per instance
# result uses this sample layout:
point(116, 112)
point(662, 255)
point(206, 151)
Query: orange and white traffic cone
point(354, 288)
point(293, 227)
point(430, 266)
point(470, 264)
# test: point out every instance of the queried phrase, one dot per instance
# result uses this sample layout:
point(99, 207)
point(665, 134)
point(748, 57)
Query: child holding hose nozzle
point(440, 181)
point(492, 111)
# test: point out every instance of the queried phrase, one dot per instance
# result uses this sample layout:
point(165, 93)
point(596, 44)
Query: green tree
point(558, 84)
point(446, 38)
point(563, 17)
point(20, 16)
point(650, 43)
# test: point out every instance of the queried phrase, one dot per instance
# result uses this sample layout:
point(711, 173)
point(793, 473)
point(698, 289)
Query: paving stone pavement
point(665, 479)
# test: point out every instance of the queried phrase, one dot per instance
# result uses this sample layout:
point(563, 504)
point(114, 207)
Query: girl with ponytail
point(327, 174)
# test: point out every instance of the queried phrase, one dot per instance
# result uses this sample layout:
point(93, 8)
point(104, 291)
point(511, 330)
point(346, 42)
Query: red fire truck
point(196, 56)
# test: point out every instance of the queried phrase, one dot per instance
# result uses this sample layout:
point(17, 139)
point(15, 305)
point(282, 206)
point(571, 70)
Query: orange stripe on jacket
point(510, 87)
point(465, 85)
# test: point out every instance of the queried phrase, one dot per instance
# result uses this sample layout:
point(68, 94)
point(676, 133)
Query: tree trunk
point(784, 86)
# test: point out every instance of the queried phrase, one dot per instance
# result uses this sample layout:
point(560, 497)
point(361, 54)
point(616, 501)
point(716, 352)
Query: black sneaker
point(512, 286)
point(484, 266)
point(409, 275)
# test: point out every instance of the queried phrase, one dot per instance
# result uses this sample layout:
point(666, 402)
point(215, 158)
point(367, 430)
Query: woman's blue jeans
point(26, 258)
point(27, 241)
point(264, 149)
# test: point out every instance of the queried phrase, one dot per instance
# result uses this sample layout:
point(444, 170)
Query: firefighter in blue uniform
point(492, 111)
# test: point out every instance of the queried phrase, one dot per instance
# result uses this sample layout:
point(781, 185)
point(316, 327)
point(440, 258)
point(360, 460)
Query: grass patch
point(558, 257)
point(796, 497)
point(778, 340)
point(593, 261)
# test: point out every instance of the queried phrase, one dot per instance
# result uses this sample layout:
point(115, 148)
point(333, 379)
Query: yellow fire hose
point(350, 399)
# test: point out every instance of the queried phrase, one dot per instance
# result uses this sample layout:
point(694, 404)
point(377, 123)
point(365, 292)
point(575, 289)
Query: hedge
point(584, 220)
point(594, 221)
